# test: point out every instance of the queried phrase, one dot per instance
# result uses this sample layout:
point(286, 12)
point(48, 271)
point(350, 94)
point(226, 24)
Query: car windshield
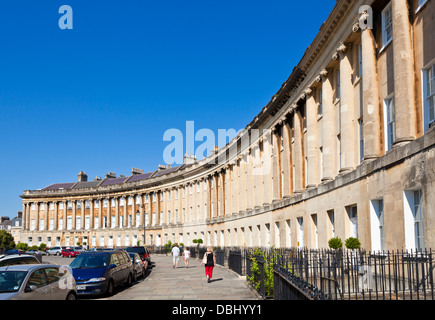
point(10, 281)
point(90, 261)
point(137, 250)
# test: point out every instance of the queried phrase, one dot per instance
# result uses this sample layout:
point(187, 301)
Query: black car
point(14, 259)
point(143, 252)
point(99, 272)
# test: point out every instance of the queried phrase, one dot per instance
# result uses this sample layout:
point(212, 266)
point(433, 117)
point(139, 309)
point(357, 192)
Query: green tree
point(22, 246)
point(6, 241)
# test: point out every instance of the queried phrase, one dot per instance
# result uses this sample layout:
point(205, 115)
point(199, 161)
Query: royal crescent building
point(345, 148)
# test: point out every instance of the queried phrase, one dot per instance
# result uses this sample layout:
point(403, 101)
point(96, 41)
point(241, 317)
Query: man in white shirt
point(175, 256)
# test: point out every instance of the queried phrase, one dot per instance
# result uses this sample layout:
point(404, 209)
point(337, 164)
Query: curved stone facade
point(344, 149)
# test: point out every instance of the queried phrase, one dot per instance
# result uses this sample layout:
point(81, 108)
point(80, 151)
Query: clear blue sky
point(99, 98)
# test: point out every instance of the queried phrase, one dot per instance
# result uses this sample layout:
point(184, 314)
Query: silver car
point(37, 282)
point(55, 251)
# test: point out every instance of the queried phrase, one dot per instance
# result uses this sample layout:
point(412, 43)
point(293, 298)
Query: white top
point(186, 254)
point(175, 251)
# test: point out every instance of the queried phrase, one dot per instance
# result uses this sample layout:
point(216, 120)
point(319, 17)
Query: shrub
point(352, 243)
point(335, 243)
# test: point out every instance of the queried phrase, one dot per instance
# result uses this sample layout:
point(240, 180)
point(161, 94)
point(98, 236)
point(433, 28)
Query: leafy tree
point(6, 241)
point(22, 246)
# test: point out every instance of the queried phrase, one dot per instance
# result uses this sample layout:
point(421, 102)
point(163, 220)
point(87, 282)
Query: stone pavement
point(167, 283)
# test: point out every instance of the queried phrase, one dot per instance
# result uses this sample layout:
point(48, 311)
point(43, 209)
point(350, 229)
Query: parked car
point(139, 266)
point(36, 282)
point(79, 249)
point(55, 251)
point(143, 252)
point(71, 253)
point(100, 272)
point(11, 251)
point(14, 259)
point(36, 252)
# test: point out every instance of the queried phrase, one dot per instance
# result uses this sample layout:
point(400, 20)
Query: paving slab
point(164, 282)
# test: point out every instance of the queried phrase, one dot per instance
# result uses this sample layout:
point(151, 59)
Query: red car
point(71, 253)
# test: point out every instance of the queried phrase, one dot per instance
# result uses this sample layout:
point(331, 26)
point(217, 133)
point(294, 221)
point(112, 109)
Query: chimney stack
point(135, 171)
point(111, 175)
point(83, 177)
point(189, 159)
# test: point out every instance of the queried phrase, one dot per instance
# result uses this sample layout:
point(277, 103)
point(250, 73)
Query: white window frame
point(386, 14)
point(428, 94)
point(389, 123)
point(413, 220)
point(377, 224)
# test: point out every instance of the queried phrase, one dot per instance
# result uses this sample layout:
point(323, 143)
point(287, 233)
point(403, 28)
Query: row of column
point(135, 208)
point(291, 175)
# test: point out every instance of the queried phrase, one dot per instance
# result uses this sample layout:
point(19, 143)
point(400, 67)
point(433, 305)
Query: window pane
point(432, 108)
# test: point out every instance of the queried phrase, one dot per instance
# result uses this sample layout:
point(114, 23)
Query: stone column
point(73, 222)
point(142, 207)
point(347, 123)
point(312, 133)
point(24, 216)
point(37, 216)
point(125, 222)
point(249, 180)
point(100, 214)
point(133, 210)
point(64, 215)
point(117, 199)
point(258, 176)
point(56, 216)
point(267, 168)
point(109, 213)
point(27, 218)
point(92, 213)
point(404, 84)
point(83, 216)
point(298, 153)
point(236, 191)
point(228, 188)
point(286, 163)
point(276, 165)
point(328, 127)
point(222, 193)
point(371, 100)
point(47, 218)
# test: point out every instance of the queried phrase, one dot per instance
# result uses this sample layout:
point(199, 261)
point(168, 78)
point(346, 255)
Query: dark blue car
point(100, 272)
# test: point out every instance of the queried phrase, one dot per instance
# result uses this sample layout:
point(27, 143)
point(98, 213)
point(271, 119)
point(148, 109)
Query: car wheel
point(110, 288)
point(71, 296)
point(129, 280)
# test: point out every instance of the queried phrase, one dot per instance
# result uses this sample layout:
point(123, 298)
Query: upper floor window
point(390, 123)
point(387, 25)
point(429, 97)
point(320, 103)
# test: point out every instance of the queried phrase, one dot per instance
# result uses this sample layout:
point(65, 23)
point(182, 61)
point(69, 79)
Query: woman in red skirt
point(209, 260)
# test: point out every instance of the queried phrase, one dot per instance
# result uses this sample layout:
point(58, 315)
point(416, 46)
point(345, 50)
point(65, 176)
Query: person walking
point(209, 260)
point(186, 254)
point(175, 255)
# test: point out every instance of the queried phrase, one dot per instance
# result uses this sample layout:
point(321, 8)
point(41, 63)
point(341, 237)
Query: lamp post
point(144, 237)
